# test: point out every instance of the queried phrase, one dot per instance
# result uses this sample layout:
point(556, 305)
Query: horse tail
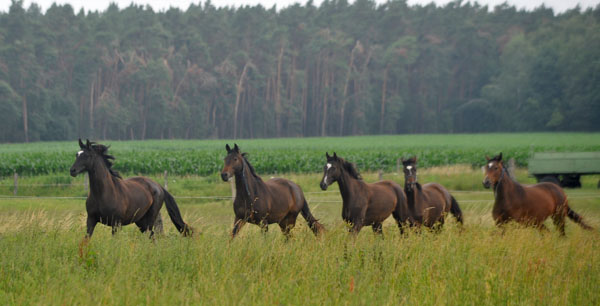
point(313, 223)
point(578, 219)
point(455, 210)
point(175, 215)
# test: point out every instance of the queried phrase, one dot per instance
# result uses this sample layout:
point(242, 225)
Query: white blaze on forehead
point(79, 153)
point(490, 165)
point(325, 177)
point(408, 167)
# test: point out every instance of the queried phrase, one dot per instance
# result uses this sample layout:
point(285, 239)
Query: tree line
point(336, 69)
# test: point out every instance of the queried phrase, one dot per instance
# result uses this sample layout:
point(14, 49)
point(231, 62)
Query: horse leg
point(144, 225)
point(115, 228)
point(287, 224)
point(91, 225)
point(542, 228)
point(378, 228)
point(559, 222)
point(237, 225)
point(264, 227)
point(356, 227)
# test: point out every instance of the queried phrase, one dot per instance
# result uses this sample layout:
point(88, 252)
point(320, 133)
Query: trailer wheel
point(550, 179)
point(571, 181)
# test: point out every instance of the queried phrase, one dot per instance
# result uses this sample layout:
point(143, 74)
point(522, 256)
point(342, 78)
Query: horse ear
point(236, 148)
point(487, 157)
point(335, 155)
point(81, 145)
point(87, 143)
point(228, 148)
point(327, 155)
point(500, 156)
point(415, 159)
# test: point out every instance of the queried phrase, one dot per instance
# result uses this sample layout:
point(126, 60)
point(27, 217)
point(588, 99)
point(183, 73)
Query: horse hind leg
point(378, 228)
point(559, 222)
point(287, 224)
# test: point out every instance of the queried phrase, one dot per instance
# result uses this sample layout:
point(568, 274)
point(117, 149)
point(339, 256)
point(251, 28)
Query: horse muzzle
point(323, 185)
point(225, 176)
point(74, 171)
point(486, 183)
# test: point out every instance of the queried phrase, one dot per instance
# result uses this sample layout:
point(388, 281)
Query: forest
point(339, 68)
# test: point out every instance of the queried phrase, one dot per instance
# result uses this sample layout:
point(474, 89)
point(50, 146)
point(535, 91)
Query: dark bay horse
point(365, 204)
point(262, 203)
point(429, 203)
point(115, 201)
point(528, 205)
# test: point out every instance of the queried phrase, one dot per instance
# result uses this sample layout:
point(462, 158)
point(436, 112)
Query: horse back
point(437, 195)
point(385, 194)
point(545, 194)
point(284, 194)
point(384, 188)
point(140, 193)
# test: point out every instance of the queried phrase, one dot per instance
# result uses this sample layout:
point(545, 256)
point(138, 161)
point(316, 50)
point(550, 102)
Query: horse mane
point(102, 150)
point(250, 167)
point(351, 169)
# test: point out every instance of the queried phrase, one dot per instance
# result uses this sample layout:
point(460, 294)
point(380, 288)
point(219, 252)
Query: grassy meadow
point(41, 261)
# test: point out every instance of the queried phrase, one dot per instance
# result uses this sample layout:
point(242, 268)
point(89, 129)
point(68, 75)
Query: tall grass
point(40, 261)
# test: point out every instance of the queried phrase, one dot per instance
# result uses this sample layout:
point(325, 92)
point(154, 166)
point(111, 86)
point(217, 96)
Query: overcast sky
point(558, 5)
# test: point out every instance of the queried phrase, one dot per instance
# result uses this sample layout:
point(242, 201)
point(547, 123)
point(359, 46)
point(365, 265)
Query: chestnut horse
point(262, 203)
point(429, 203)
point(365, 204)
point(115, 201)
point(529, 205)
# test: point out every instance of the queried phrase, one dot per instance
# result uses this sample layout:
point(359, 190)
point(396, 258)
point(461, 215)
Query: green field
point(40, 264)
point(299, 155)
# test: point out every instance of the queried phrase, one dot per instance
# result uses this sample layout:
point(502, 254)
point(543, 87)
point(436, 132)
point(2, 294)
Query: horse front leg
point(91, 225)
point(356, 227)
point(237, 225)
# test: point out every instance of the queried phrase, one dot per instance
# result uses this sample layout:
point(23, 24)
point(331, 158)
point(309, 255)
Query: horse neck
point(251, 182)
point(414, 196)
point(505, 187)
point(348, 186)
point(101, 180)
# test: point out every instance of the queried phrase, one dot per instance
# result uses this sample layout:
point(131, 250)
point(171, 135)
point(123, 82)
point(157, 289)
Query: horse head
point(332, 170)
point(234, 162)
point(493, 170)
point(410, 172)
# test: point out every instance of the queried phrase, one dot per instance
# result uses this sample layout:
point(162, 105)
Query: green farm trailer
point(564, 169)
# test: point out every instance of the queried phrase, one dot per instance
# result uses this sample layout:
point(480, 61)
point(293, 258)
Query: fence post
point(511, 168)
point(16, 177)
point(381, 175)
point(232, 184)
point(166, 181)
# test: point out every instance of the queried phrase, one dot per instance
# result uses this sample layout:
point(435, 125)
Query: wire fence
point(311, 199)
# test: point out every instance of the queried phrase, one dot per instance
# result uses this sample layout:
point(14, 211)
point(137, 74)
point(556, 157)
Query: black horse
point(115, 201)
